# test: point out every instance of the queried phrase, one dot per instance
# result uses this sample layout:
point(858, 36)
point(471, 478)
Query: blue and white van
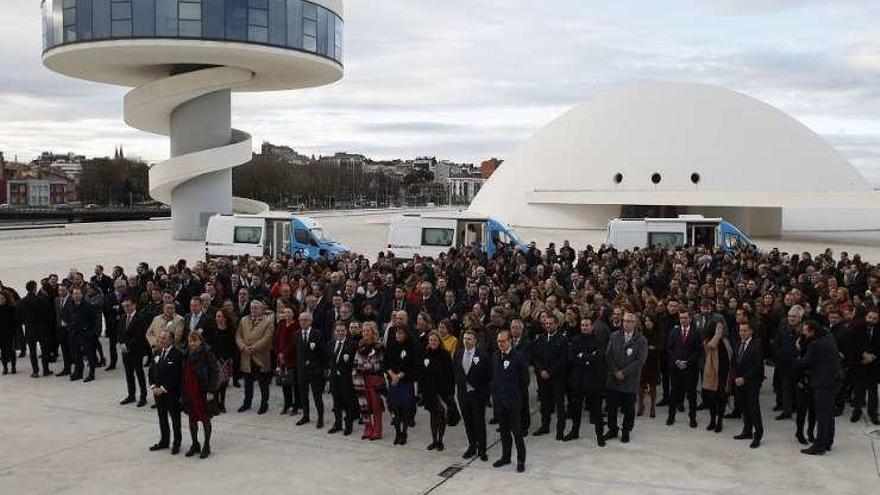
point(691, 230)
point(269, 234)
point(435, 233)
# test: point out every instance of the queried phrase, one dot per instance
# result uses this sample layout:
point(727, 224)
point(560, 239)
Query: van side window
point(302, 236)
point(248, 235)
point(666, 239)
point(437, 237)
point(731, 241)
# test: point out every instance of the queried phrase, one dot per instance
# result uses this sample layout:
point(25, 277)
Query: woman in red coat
point(286, 337)
point(200, 384)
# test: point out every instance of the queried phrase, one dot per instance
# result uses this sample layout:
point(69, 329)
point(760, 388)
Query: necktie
point(468, 357)
point(742, 350)
point(128, 321)
point(336, 351)
point(684, 335)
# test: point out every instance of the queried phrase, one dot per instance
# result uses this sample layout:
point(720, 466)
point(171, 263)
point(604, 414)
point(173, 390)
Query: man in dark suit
point(340, 359)
point(83, 336)
point(783, 360)
point(823, 363)
point(509, 371)
point(748, 375)
point(522, 343)
point(196, 319)
point(683, 347)
point(112, 313)
point(63, 315)
point(549, 358)
point(310, 357)
point(473, 374)
point(36, 315)
point(586, 379)
point(132, 328)
point(866, 370)
point(165, 382)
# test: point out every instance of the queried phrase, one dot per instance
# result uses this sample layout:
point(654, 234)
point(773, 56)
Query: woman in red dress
point(200, 383)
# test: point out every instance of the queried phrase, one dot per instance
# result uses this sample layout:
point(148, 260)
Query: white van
point(268, 234)
point(435, 233)
point(691, 230)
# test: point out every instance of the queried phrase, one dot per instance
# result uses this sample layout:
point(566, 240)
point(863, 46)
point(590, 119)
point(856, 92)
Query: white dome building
point(667, 149)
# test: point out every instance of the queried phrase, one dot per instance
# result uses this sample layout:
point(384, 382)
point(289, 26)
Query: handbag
point(285, 377)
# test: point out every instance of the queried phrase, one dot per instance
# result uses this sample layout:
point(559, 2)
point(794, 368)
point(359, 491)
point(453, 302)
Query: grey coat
point(628, 357)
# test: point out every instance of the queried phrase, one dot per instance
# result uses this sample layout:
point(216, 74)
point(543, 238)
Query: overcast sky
point(467, 80)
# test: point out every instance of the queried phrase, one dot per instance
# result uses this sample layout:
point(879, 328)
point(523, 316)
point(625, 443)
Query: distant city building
point(462, 190)
point(488, 167)
point(346, 160)
point(284, 153)
point(37, 186)
point(424, 164)
point(67, 167)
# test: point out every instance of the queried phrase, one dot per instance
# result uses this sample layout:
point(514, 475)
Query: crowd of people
point(463, 335)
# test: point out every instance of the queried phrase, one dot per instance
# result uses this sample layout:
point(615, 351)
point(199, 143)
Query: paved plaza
point(73, 438)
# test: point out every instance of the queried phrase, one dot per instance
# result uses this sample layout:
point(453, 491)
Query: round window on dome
point(656, 178)
point(695, 178)
point(618, 178)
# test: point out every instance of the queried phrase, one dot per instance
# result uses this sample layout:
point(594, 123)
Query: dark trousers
point(7, 349)
point(292, 396)
point(624, 401)
point(133, 369)
point(315, 383)
point(83, 346)
point(783, 385)
point(752, 422)
point(847, 391)
point(62, 336)
point(511, 430)
point(44, 351)
point(168, 406)
point(112, 338)
point(684, 384)
point(576, 399)
point(525, 411)
point(343, 402)
point(823, 401)
point(551, 394)
point(715, 402)
point(263, 380)
point(866, 385)
point(665, 375)
point(806, 411)
point(473, 413)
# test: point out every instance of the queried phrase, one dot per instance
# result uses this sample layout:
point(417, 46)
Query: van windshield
point(319, 234)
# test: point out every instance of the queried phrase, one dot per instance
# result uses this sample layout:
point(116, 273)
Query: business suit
point(684, 345)
point(36, 315)
point(783, 367)
point(627, 355)
point(509, 372)
point(63, 315)
point(340, 360)
point(83, 337)
point(132, 333)
point(310, 359)
point(257, 334)
point(191, 322)
point(523, 345)
point(826, 376)
point(866, 376)
point(166, 370)
point(550, 354)
point(472, 390)
point(748, 364)
point(586, 378)
point(112, 312)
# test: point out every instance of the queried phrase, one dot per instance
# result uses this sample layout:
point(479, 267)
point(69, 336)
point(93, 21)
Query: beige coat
point(259, 337)
point(175, 325)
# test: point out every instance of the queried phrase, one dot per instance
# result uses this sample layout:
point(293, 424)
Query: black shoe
point(440, 447)
point(483, 457)
point(662, 403)
point(719, 426)
point(142, 402)
point(783, 416)
point(693, 423)
point(127, 400)
point(403, 438)
point(431, 446)
point(601, 441)
point(347, 430)
point(856, 416)
point(195, 449)
point(609, 435)
point(670, 421)
point(175, 450)
point(470, 452)
point(158, 446)
point(397, 438)
point(236, 384)
point(814, 450)
point(800, 438)
point(205, 452)
point(152, 406)
point(48, 373)
point(89, 378)
point(223, 408)
point(244, 407)
point(756, 442)
point(875, 420)
point(540, 431)
point(263, 408)
point(285, 410)
point(777, 407)
point(35, 375)
point(733, 415)
point(571, 436)
point(681, 408)
point(711, 425)
point(334, 429)
point(110, 368)
point(559, 436)
point(624, 437)
point(493, 421)
point(500, 463)
point(303, 420)
point(320, 423)
point(743, 436)
point(63, 373)
point(520, 467)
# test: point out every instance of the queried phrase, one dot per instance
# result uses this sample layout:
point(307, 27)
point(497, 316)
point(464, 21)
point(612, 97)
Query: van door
point(303, 240)
point(702, 234)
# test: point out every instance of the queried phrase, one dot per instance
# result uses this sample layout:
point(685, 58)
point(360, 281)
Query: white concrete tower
point(184, 58)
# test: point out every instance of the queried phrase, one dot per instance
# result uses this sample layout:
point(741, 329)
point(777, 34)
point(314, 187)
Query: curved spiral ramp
point(193, 109)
